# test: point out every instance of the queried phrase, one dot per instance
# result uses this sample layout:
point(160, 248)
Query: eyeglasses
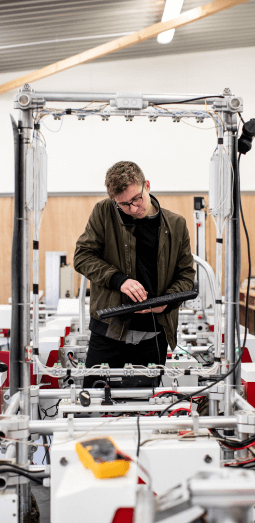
point(137, 200)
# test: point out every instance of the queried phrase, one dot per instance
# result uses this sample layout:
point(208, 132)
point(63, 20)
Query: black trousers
point(117, 353)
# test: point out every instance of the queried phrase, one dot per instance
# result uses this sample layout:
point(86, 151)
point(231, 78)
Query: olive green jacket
point(108, 246)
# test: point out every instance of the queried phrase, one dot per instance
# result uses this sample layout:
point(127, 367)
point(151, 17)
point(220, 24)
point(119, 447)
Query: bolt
point(208, 459)
point(6, 397)
point(63, 462)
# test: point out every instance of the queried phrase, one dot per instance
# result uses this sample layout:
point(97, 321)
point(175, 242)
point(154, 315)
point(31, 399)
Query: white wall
point(174, 156)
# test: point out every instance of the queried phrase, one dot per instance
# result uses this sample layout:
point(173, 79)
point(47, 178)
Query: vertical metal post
point(25, 126)
point(244, 452)
point(213, 407)
point(219, 233)
point(36, 228)
point(229, 144)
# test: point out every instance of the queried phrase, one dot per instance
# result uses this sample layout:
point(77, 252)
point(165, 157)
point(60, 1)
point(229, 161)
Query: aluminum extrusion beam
point(116, 393)
point(25, 126)
point(229, 143)
point(106, 97)
point(164, 423)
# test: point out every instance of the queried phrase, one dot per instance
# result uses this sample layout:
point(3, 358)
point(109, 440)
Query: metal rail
point(78, 425)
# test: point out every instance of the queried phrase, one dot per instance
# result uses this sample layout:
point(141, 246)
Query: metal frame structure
point(226, 106)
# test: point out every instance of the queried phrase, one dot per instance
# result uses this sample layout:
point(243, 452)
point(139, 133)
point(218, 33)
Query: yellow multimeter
point(102, 457)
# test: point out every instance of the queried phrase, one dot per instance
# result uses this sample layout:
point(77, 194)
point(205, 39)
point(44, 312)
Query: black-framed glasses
point(137, 200)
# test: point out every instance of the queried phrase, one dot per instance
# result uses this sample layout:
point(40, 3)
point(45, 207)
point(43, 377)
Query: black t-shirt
point(146, 233)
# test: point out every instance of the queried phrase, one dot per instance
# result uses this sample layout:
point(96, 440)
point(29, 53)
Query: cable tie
point(35, 288)
point(186, 371)
point(35, 351)
point(68, 111)
point(217, 359)
point(219, 302)
point(220, 141)
point(219, 240)
point(35, 245)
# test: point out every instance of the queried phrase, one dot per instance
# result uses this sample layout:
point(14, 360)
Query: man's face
point(135, 200)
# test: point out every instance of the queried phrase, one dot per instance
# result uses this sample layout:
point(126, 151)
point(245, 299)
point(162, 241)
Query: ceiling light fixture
point(172, 10)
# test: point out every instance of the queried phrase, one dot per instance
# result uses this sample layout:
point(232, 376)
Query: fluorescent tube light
point(172, 10)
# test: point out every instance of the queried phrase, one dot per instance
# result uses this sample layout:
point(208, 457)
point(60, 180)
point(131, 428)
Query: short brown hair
point(121, 175)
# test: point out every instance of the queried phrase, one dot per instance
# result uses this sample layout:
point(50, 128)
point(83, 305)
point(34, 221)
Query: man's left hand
point(157, 310)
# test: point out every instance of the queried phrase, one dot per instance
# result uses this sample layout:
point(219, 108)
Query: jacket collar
point(127, 220)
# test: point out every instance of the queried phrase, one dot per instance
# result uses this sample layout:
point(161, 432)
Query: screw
point(63, 462)
point(6, 397)
point(208, 459)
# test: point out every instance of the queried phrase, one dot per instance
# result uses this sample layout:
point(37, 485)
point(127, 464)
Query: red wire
point(71, 358)
point(235, 448)
point(239, 462)
point(164, 392)
point(178, 410)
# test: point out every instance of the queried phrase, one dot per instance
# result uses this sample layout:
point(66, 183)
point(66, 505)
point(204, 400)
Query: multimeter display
point(103, 457)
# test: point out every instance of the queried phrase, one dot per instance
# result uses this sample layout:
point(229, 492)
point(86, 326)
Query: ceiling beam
point(121, 43)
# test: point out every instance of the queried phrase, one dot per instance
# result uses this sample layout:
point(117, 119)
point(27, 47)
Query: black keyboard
point(147, 304)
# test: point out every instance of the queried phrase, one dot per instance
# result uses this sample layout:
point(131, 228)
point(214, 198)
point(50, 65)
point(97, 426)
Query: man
point(132, 250)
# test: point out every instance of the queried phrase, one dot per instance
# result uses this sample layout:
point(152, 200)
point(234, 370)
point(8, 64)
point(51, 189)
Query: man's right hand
point(134, 290)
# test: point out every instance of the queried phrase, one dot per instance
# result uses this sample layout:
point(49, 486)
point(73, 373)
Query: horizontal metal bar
point(117, 393)
point(106, 97)
point(124, 424)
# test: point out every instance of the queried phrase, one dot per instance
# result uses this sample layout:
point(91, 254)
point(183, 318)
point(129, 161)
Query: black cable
point(188, 353)
point(138, 436)
point(73, 363)
point(191, 100)
point(45, 441)
point(241, 118)
point(99, 381)
point(44, 411)
point(47, 452)
point(230, 443)
point(249, 267)
point(21, 472)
